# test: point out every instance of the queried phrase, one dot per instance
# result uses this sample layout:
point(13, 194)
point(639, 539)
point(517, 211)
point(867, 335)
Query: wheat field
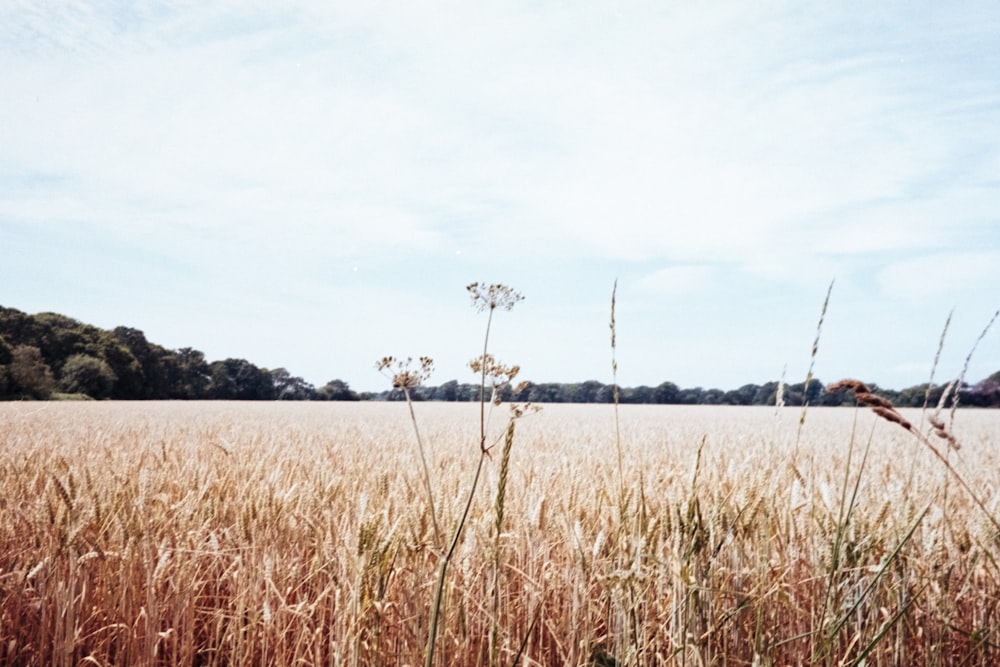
point(300, 534)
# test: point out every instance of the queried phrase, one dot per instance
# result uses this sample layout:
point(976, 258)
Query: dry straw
point(887, 411)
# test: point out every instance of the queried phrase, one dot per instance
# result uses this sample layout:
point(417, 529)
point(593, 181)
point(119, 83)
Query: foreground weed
point(485, 298)
point(884, 408)
point(406, 378)
point(812, 365)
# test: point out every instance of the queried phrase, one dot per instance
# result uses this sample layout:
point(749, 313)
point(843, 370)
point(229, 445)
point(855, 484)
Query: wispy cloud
point(941, 274)
point(771, 142)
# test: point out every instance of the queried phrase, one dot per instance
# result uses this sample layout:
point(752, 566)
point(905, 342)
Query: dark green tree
point(640, 394)
point(6, 352)
point(690, 396)
point(984, 394)
point(30, 376)
point(84, 374)
point(606, 394)
point(766, 394)
point(713, 397)
point(336, 390)
point(447, 391)
point(240, 380)
point(6, 355)
point(152, 359)
point(666, 393)
point(742, 396)
point(585, 392)
point(547, 392)
point(188, 374)
point(288, 387)
point(131, 382)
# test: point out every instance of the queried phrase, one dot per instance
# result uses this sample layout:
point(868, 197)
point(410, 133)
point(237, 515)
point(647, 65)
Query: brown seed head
point(399, 371)
point(518, 410)
point(872, 400)
point(496, 373)
point(857, 386)
point(891, 415)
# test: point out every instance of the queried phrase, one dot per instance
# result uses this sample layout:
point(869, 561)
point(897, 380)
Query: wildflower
point(403, 377)
point(491, 297)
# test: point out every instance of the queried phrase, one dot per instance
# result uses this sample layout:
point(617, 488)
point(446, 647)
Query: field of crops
point(301, 534)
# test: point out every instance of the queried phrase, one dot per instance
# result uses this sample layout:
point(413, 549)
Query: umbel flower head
point(491, 297)
point(404, 377)
point(495, 373)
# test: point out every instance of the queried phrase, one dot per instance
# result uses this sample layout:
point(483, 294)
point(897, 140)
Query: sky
point(312, 184)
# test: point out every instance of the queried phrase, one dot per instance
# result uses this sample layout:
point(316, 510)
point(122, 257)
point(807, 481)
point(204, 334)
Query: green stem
point(446, 560)
point(427, 473)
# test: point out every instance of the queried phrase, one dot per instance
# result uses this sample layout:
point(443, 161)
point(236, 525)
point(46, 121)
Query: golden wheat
point(293, 534)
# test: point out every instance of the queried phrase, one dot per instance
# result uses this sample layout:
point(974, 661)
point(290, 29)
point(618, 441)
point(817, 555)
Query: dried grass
point(129, 537)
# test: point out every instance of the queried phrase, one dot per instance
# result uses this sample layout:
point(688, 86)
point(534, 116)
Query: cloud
point(941, 274)
point(630, 135)
point(676, 280)
point(263, 151)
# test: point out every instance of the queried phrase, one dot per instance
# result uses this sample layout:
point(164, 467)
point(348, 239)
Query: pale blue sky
point(312, 184)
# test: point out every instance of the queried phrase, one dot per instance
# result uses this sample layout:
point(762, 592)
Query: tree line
point(49, 355)
point(982, 394)
point(54, 356)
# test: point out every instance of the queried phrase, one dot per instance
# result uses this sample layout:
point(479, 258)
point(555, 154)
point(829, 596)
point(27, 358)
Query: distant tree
point(336, 390)
point(936, 393)
point(640, 394)
point(606, 394)
point(690, 396)
point(524, 392)
point(766, 394)
point(6, 352)
point(547, 392)
point(17, 327)
point(587, 391)
point(288, 387)
point(666, 393)
point(815, 390)
point(6, 355)
point(447, 391)
point(985, 394)
point(240, 380)
point(152, 359)
point(836, 398)
point(188, 374)
point(745, 394)
point(467, 391)
point(29, 374)
point(795, 394)
point(912, 397)
point(505, 393)
point(131, 383)
point(84, 374)
point(58, 337)
point(713, 397)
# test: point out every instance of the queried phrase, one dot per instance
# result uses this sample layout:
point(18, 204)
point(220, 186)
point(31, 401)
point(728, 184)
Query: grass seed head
point(891, 415)
point(872, 400)
point(881, 406)
point(857, 386)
